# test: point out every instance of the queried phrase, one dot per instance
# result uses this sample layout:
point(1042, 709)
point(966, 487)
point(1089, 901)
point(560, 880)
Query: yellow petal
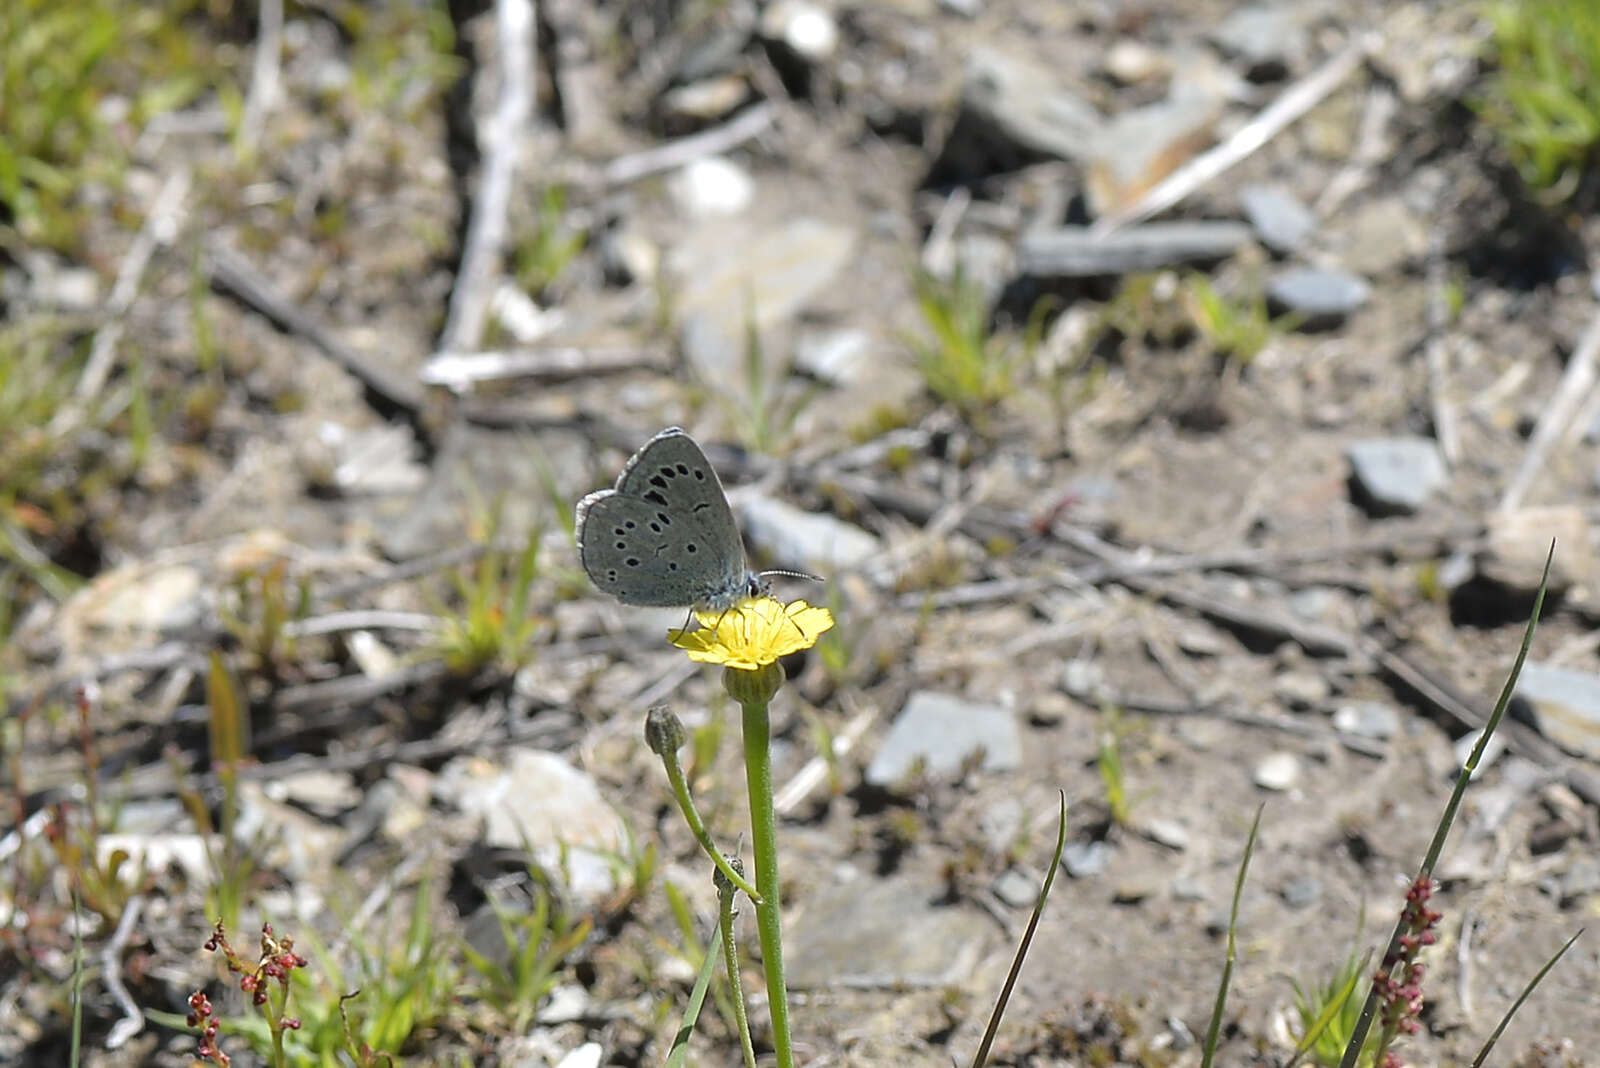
point(753, 634)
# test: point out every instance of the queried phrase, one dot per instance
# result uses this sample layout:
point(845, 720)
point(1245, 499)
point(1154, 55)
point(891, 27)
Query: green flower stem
point(730, 961)
point(691, 816)
point(764, 832)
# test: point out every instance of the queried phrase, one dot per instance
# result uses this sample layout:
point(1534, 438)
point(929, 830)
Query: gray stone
point(1463, 746)
point(1073, 252)
point(738, 273)
point(1169, 833)
point(1016, 889)
point(357, 461)
point(1367, 719)
point(1085, 860)
point(1277, 772)
point(1565, 704)
point(1281, 222)
point(837, 357)
point(805, 29)
point(1580, 880)
point(939, 733)
point(1269, 39)
point(1380, 236)
point(1320, 298)
point(537, 800)
point(796, 538)
point(873, 932)
point(1131, 62)
point(1302, 892)
point(1395, 476)
point(1084, 679)
point(1301, 689)
point(705, 101)
point(1134, 889)
point(1027, 104)
point(1315, 603)
point(1188, 888)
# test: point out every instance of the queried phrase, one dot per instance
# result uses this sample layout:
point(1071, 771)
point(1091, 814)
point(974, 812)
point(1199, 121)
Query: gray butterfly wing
point(665, 536)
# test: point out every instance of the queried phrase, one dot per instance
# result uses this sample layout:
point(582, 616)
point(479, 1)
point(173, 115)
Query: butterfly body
point(665, 535)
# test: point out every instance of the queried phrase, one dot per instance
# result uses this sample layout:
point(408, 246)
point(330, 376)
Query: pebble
point(837, 357)
point(1302, 892)
point(1169, 833)
point(1073, 252)
point(1320, 298)
point(1277, 772)
point(1030, 106)
point(1279, 219)
point(1016, 889)
point(1269, 38)
point(1134, 890)
point(939, 733)
point(1581, 880)
point(711, 186)
point(1301, 689)
point(1131, 62)
point(706, 101)
point(1085, 860)
point(806, 29)
point(1188, 888)
point(1565, 703)
point(1367, 719)
point(1395, 476)
point(1084, 679)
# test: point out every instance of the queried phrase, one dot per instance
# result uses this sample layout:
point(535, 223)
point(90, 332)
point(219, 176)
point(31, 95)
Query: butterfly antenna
point(785, 573)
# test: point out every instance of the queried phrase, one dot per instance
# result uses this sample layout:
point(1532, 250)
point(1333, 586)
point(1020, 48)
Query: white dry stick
point(1372, 148)
point(132, 1021)
point(674, 154)
point(939, 252)
point(160, 228)
point(502, 142)
point(1576, 385)
point(264, 70)
point(1437, 351)
point(815, 771)
point(1295, 101)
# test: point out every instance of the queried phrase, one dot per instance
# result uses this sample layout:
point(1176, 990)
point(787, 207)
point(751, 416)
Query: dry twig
point(1576, 384)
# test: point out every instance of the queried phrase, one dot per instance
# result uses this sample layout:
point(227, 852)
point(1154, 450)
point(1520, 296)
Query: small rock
point(1050, 709)
point(967, 9)
point(1016, 889)
point(1133, 890)
point(1318, 604)
point(325, 793)
point(1084, 679)
point(1581, 880)
point(1270, 39)
point(1197, 640)
point(939, 733)
point(1550, 835)
point(733, 270)
point(705, 101)
point(1519, 541)
point(1169, 833)
point(1320, 298)
point(1188, 888)
point(1073, 252)
point(1130, 62)
point(1301, 689)
point(1085, 860)
point(1004, 96)
point(1463, 746)
point(1379, 237)
point(536, 799)
point(877, 932)
point(837, 357)
point(1302, 892)
point(815, 541)
point(1281, 222)
point(627, 256)
point(1565, 705)
point(1277, 772)
point(357, 461)
point(712, 186)
point(804, 28)
point(1367, 719)
point(585, 1056)
point(1395, 476)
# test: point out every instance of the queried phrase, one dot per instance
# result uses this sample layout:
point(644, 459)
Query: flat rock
point(1007, 96)
point(1320, 298)
point(1395, 476)
point(1138, 148)
point(1269, 39)
point(1073, 252)
point(1519, 541)
point(1279, 219)
point(535, 799)
point(711, 186)
point(837, 357)
point(1085, 860)
point(938, 733)
point(881, 932)
point(1367, 719)
point(796, 538)
point(1565, 703)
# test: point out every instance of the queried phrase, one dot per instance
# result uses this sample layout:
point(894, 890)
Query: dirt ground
point(1136, 537)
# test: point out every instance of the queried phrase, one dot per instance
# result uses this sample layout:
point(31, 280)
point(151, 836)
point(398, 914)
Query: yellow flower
point(753, 634)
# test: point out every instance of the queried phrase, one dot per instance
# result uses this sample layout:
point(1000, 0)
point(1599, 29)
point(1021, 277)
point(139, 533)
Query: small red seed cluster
point(276, 961)
point(1399, 980)
point(203, 1017)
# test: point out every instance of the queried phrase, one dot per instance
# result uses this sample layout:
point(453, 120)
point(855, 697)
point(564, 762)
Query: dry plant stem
point(132, 1021)
point(486, 231)
point(764, 839)
point(1577, 382)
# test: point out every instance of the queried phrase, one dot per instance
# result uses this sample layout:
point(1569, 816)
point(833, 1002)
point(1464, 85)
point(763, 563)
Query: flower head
point(753, 634)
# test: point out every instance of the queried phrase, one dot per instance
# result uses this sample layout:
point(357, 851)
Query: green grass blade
point(697, 998)
point(1527, 990)
point(1227, 966)
point(982, 1056)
